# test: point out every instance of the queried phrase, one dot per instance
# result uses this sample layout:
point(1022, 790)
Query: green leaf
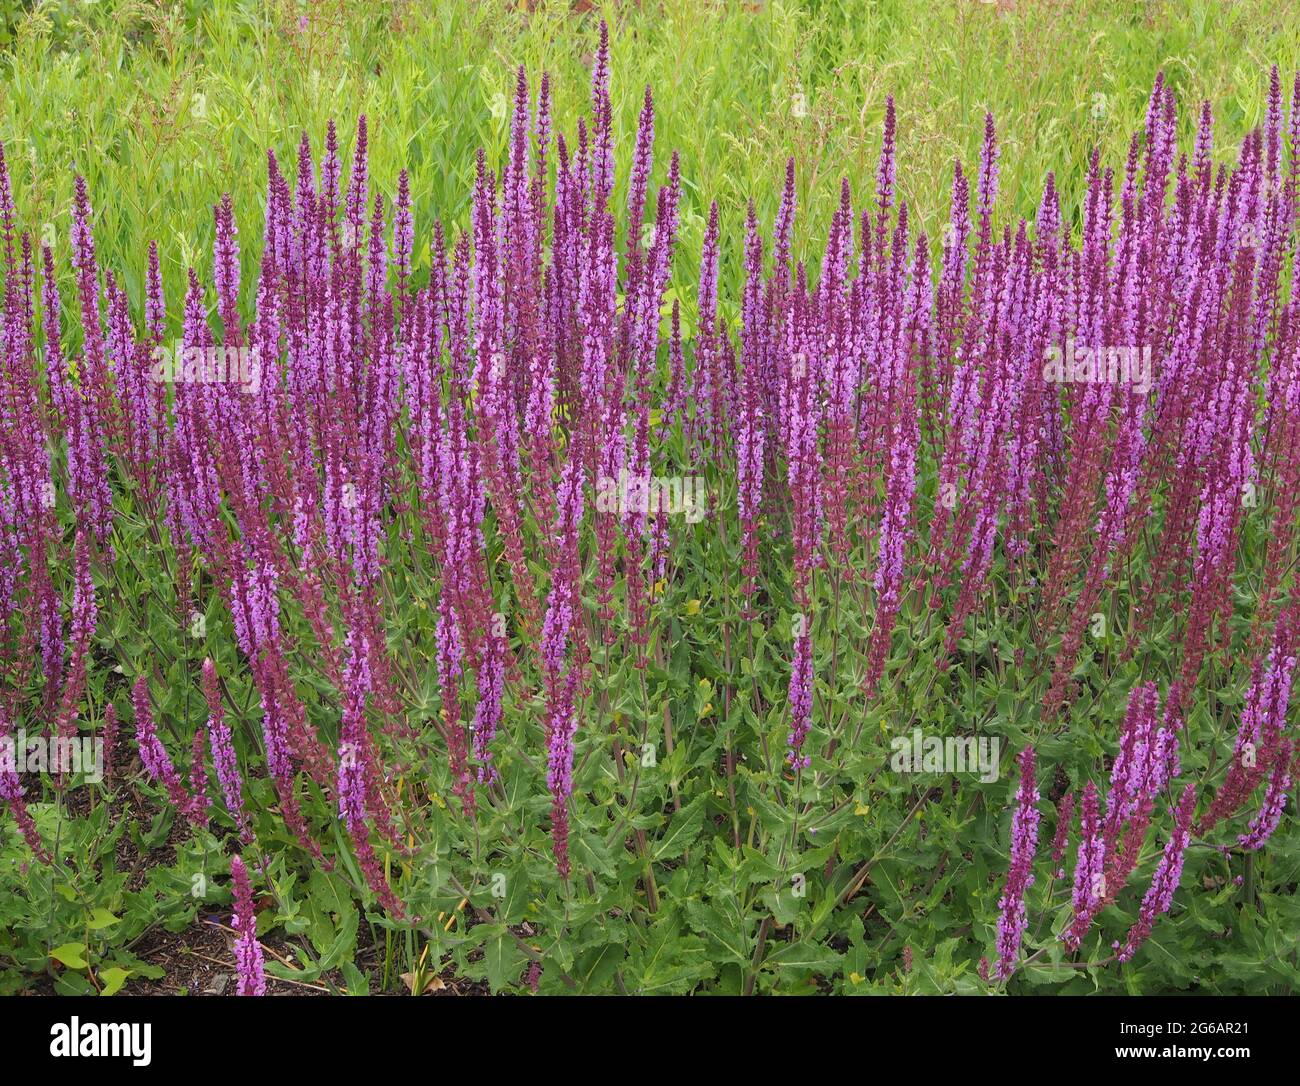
point(806, 956)
point(595, 967)
point(343, 943)
point(510, 909)
point(668, 962)
point(682, 830)
point(356, 981)
point(503, 958)
point(113, 978)
point(73, 955)
point(711, 924)
point(101, 918)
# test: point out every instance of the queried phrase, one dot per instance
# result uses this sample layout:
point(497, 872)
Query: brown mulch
point(200, 961)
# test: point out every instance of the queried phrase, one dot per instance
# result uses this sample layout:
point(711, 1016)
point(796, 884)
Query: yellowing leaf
point(101, 918)
point(430, 983)
point(70, 954)
point(112, 979)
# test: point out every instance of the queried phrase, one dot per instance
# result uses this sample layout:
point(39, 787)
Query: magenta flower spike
point(1013, 919)
point(250, 971)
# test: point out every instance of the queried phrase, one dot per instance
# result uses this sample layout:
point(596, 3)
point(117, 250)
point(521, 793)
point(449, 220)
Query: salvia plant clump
point(561, 609)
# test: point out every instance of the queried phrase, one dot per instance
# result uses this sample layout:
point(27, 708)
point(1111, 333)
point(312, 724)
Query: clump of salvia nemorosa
point(919, 428)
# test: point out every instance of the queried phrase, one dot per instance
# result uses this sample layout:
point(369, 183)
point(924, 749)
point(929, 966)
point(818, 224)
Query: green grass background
point(165, 107)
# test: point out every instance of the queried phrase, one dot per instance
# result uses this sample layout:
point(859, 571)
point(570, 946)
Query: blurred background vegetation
point(163, 107)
